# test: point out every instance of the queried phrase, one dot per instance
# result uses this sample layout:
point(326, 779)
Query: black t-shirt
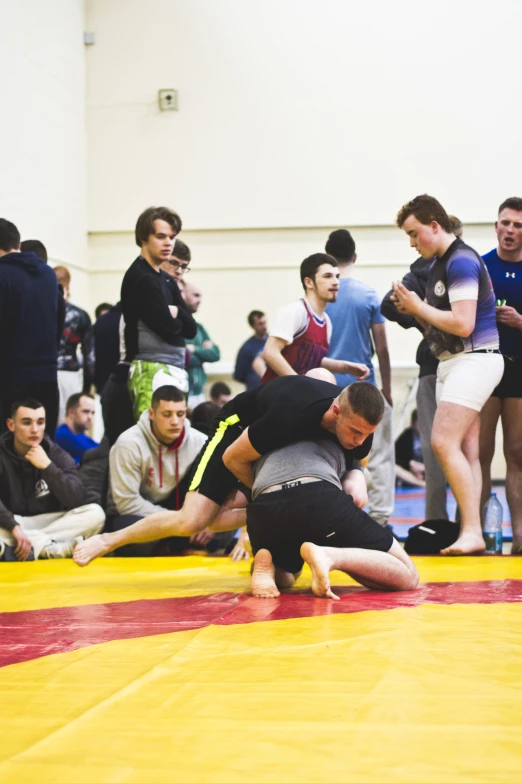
point(286, 410)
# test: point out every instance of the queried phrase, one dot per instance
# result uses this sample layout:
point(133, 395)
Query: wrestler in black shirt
point(288, 409)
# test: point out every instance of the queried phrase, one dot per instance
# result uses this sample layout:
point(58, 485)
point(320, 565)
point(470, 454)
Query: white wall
point(42, 129)
point(301, 112)
point(295, 117)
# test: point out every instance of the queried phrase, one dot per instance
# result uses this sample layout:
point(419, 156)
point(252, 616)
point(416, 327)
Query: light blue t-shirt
point(357, 308)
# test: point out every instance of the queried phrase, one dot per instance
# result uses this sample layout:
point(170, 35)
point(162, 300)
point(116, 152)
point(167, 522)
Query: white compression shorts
point(468, 379)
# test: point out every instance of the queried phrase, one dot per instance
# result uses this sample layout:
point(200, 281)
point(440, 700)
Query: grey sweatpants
point(381, 467)
point(435, 478)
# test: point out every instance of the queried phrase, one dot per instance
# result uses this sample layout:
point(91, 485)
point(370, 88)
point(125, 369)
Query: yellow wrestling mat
point(166, 670)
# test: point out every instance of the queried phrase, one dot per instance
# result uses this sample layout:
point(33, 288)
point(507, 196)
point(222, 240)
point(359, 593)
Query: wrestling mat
point(132, 671)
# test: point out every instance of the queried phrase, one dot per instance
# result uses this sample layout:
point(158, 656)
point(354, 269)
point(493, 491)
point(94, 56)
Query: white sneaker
point(58, 549)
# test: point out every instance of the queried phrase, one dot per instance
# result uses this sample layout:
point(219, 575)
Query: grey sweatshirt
point(143, 472)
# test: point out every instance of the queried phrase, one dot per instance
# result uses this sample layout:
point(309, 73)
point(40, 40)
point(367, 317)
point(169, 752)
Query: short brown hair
point(426, 209)
point(363, 399)
point(310, 265)
point(253, 315)
point(181, 251)
point(63, 275)
point(74, 400)
point(166, 393)
point(511, 203)
point(145, 222)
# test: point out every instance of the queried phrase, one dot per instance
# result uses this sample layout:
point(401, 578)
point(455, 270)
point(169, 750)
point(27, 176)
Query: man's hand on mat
point(202, 538)
point(242, 549)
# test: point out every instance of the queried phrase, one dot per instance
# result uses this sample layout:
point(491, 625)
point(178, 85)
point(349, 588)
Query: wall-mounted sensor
point(168, 100)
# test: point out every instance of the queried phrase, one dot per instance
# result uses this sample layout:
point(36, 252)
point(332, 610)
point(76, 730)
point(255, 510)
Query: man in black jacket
point(156, 318)
point(41, 494)
point(30, 327)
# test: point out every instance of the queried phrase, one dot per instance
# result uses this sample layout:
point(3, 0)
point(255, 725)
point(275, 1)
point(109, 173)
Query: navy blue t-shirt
point(506, 277)
point(247, 353)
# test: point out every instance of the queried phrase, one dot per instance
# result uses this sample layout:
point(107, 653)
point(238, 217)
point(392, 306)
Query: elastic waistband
point(486, 350)
point(290, 484)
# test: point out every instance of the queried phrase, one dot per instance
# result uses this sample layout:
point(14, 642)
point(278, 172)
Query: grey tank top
point(151, 348)
point(320, 458)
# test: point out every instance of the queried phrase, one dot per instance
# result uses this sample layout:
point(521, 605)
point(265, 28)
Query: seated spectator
point(70, 435)
point(203, 416)
point(220, 393)
point(201, 347)
point(150, 465)
point(102, 308)
point(250, 365)
point(409, 464)
point(41, 494)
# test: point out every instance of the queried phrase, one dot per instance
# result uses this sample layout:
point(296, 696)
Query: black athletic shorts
point(511, 382)
point(208, 475)
point(318, 512)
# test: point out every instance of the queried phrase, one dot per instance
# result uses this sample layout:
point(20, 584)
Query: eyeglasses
point(177, 265)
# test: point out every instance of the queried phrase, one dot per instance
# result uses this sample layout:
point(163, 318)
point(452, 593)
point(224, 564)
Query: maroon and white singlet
point(308, 348)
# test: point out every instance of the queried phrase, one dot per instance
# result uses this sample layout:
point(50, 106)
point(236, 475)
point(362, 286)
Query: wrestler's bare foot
point(87, 550)
point(320, 567)
point(262, 582)
point(466, 544)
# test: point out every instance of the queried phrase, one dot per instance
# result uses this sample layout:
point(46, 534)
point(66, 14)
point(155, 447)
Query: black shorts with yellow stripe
point(208, 474)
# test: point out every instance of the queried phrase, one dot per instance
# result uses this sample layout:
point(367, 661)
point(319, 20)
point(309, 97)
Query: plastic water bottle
point(493, 525)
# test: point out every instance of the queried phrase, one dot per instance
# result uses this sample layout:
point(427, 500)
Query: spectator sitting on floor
point(220, 393)
point(150, 465)
point(41, 494)
point(409, 465)
point(70, 435)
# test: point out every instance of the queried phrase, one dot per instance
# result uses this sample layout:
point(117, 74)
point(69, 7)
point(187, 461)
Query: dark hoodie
point(28, 491)
point(28, 320)
point(415, 280)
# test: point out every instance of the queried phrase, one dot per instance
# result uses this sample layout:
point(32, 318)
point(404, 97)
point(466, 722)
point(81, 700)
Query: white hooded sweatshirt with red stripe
point(143, 472)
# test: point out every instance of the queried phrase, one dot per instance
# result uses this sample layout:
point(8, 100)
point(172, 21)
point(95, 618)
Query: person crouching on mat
point(300, 513)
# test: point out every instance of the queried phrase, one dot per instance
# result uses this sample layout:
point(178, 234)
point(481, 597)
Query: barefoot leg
point(262, 582)
point(392, 570)
point(320, 566)
point(87, 550)
point(196, 514)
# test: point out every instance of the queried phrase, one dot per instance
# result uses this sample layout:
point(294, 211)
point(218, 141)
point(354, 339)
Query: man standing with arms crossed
point(156, 319)
point(505, 269)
